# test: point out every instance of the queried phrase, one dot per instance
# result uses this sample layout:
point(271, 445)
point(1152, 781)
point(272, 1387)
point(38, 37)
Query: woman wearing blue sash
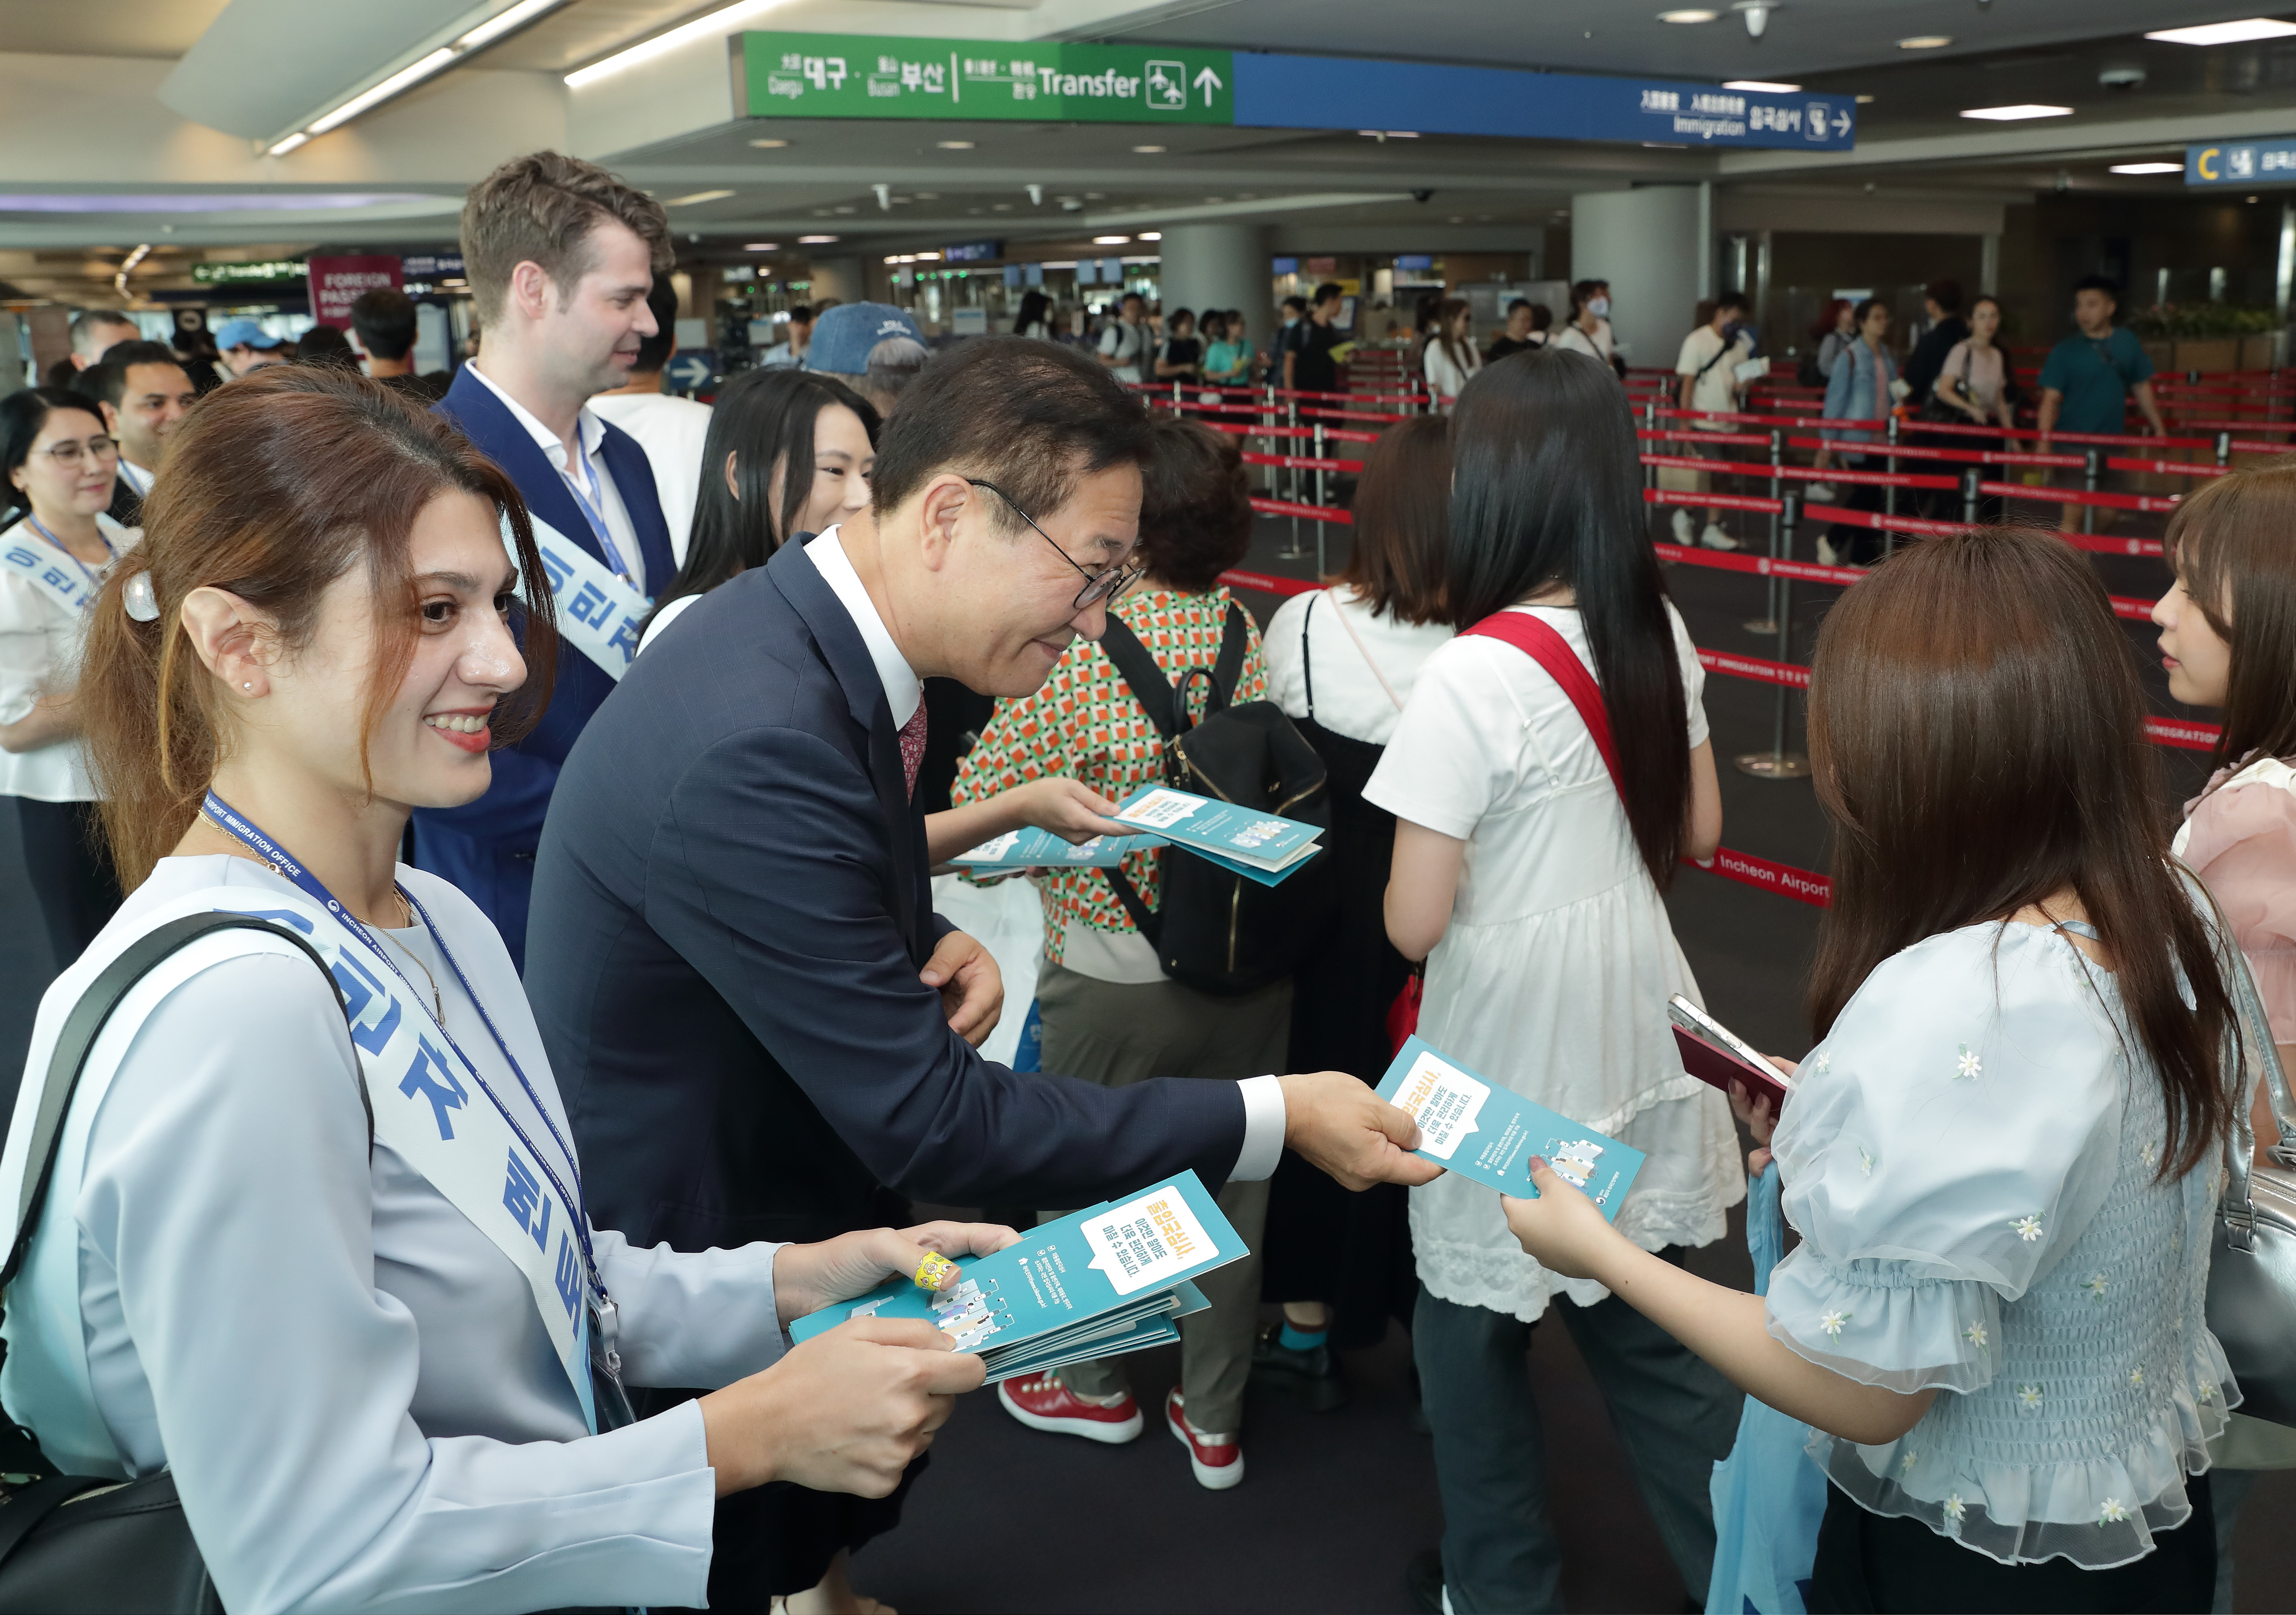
point(320, 1248)
point(59, 463)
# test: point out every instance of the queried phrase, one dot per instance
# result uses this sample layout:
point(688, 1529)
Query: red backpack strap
point(1553, 652)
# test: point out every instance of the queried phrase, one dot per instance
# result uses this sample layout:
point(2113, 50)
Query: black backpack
point(1216, 930)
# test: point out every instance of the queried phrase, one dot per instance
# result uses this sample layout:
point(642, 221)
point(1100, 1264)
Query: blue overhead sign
point(2241, 162)
point(1299, 91)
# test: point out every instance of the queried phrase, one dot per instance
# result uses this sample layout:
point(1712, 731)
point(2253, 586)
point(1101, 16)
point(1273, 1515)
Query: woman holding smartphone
point(2003, 1153)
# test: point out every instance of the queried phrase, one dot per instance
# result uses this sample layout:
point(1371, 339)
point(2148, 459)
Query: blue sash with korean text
point(598, 613)
point(47, 568)
point(425, 1108)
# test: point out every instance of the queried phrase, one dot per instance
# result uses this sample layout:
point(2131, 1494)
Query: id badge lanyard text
point(590, 493)
point(605, 1317)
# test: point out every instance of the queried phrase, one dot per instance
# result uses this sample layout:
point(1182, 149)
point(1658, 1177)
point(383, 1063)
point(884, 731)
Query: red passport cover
point(1711, 1063)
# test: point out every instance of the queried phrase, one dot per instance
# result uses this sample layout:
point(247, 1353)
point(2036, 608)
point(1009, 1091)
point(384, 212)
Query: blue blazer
point(731, 906)
point(487, 847)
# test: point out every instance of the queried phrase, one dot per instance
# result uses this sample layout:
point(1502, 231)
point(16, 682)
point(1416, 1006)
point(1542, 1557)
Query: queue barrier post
point(1650, 423)
point(1778, 763)
point(2223, 448)
point(2092, 471)
point(1890, 494)
point(1295, 549)
point(1768, 622)
point(1322, 570)
point(1971, 476)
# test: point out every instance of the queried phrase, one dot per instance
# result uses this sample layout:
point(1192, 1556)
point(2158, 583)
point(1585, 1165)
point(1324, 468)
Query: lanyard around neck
point(590, 493)
point(34, 523)
point(250, 836)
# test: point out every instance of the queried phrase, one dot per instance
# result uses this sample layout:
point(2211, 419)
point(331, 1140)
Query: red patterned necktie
point(913, 746)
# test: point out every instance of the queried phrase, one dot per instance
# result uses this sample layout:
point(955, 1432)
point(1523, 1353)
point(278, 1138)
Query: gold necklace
point(406, 909)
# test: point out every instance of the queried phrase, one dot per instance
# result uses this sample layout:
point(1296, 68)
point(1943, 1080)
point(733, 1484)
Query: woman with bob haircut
point(2003, 1153)
point(764, 423)
point(283, 1256)
point(1341, 662)
point(1109, 1014)
point(1527, 872)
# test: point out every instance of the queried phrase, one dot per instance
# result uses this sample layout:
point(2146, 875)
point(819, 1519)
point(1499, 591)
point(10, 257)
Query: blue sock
point(1296, 1339)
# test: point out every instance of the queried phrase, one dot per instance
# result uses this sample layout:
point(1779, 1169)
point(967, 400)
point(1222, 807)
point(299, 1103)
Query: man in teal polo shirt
point(2088, 379)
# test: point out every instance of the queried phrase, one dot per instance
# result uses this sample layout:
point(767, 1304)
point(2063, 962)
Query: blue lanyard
point(93, 579)
point(592, 498)
point(222, 814)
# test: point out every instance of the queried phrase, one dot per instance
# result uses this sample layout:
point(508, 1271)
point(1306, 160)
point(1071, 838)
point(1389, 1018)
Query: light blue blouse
point(360, 1403)
point(1972, 1157)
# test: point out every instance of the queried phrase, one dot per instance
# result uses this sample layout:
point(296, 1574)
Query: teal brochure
point(1099, 1281)
point(1246, 839)
point(1033, 849)
point(1481, 1131)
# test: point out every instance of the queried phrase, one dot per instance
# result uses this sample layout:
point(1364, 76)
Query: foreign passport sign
point(2241, 162)
point(868, 76)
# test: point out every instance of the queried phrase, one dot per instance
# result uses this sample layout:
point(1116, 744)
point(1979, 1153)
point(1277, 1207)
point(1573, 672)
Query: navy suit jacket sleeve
point(766, 874)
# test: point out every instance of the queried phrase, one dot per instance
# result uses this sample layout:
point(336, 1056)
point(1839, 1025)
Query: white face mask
point(1599, 307)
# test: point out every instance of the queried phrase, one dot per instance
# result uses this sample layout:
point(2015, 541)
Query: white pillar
point(1653, 246)
point(1219, 265)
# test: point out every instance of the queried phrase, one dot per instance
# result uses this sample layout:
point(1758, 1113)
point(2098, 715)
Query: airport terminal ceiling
point(454, 87)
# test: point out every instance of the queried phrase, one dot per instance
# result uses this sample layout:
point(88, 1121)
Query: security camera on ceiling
point(2122, 77)
point(1756, 13)
point(1421, 196)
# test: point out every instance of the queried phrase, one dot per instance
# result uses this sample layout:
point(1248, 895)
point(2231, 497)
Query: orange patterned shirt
point(1086, 724)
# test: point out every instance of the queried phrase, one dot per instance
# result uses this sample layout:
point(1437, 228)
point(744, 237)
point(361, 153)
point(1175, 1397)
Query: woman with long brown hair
point(2002, 1154)
point(318, 1248)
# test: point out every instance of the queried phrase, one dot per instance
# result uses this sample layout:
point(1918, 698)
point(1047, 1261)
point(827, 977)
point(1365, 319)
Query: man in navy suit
point(560, 256)
point(761, 1028)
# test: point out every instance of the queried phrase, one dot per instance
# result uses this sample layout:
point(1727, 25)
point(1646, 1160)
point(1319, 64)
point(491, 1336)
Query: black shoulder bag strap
point(1167, 705)
point(81, 1028)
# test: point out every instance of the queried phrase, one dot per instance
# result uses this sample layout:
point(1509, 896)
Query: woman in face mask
point(1589, 330)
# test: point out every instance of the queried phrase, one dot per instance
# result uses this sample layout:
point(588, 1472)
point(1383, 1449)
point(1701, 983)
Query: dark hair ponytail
point(1548, 490)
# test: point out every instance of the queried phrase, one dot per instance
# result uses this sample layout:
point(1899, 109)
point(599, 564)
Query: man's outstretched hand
point(1338, 1124)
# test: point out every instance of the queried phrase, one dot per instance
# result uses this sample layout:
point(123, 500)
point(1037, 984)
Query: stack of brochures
point(1490, 1135)
point(1098, 1282)
point(1265, 847)
point(1034, 848)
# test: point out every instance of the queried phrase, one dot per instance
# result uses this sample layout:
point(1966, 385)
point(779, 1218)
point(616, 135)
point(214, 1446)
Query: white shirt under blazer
point(359, 1400)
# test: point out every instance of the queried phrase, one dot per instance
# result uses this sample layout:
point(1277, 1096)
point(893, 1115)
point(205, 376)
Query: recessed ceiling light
point(1148, 151)
point(2226, 33)
point(1112, 240)
point(2148, 168)
point(1865, 100)
point(763, 247)
point(2017, 113)
point(954, 145)
point(1760, 88)
point(697, 196)
point(1152, 235)
point(1925, 42)
point(815, 241)
point(769, 145)
point(1688, 16)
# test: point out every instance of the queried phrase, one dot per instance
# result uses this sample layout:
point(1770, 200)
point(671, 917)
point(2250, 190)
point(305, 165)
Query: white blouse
point(352, 1384)
point(40, 642)
point(1350, 700)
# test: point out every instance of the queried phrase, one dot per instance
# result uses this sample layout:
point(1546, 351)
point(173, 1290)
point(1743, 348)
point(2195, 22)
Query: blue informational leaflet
point(1099, 1281)
point(1482, 1131)
point(1246, 839)
point(1032, 848)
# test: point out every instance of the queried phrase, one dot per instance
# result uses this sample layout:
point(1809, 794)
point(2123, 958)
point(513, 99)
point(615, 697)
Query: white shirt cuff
point(1263, 1130)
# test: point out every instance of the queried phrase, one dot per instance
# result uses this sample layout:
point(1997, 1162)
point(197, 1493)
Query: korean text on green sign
point(869, 75)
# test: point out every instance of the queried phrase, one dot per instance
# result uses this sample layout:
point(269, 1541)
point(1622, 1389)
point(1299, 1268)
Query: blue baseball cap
point(843, 336)
point(244, 334)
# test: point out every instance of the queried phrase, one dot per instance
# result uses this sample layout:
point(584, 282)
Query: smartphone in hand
point(1714, 1053)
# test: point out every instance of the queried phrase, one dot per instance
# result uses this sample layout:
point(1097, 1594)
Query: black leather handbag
point(89, 1544)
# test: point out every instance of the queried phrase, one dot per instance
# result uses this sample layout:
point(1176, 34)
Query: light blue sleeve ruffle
point(1948, 1141)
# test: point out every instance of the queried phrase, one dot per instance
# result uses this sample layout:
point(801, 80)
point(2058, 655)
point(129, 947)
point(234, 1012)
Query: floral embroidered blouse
point(1971, 1158)
point(1085, 723)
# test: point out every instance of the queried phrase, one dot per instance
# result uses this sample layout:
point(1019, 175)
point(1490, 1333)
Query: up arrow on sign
point(1208, 81)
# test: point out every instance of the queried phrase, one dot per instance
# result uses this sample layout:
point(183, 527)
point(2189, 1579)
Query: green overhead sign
point(870, 76)
point(270, 271)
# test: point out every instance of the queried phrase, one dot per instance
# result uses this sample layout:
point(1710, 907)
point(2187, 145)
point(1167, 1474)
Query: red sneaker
point(1046, 1404)
point(1217, 1459)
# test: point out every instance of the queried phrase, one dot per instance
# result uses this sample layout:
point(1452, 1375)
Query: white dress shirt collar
point(588, 425)
point(903, 691)
point(137, 477)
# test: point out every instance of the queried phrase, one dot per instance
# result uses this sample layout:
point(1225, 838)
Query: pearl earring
point(250, 685)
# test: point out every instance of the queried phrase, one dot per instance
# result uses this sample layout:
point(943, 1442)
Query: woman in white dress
point(1529, 880)
point(58, 461)
point(2003, 1154)
point(328, 1318)
point(1451, 358)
